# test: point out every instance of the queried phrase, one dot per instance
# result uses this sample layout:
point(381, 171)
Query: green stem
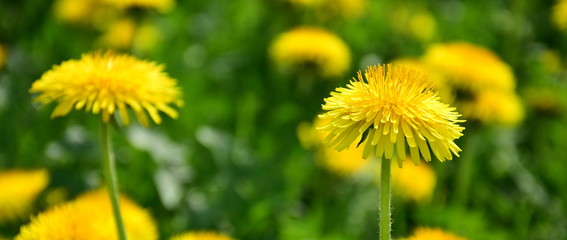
point(466, 169)
point(111, 178)
point(385, 223)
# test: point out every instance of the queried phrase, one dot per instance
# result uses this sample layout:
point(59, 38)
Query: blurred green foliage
point(232, 161)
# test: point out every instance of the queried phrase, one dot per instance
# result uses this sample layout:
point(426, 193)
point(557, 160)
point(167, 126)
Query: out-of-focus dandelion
point(305, 48)
point(160, 5)
point(89, 217)
point(328, 9)
point(343, 163)
point(413, 183)
point(559, 14)
point(19, 190)
point(75, 11)
point(419, 24)
point(544, 100)
point(386, 108)
point(480, 83)
point(504, 108)
point(119, 34)
point(470, 67)
point(201, 235)
point(106, 83)
point(432, 234)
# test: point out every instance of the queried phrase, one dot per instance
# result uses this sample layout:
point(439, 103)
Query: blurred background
point(243, 158)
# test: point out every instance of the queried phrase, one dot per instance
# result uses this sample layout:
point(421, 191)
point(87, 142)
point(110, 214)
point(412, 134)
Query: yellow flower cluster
point(433, 234)
point(201, 235)
point(306, 47)
point(2, 55)
point(481, 84)
point(89, 217)
point(106, 83)
point(19, 190)
point(392, 107)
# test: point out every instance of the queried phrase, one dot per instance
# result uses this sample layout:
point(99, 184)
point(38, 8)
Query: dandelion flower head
point(391, 105)
point(201, 235)
point(470, 67)
point(343, 163)
point(160, 5)
point(433, 234)
point(414, 183)
point(106, 83)
point(89, 217)
point(559, 14)
point(504, 108)
point(19, 189)
point(306, 47)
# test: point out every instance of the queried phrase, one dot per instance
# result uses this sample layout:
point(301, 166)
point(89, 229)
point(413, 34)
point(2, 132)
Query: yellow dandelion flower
point(89, 217)
point(74, 11)
point(470, 67)
point(108, 82)
point(544, 100)
point(391, 106)
point(494, 107)
point(551, 61)
point(415, 183)
point(422, 26)
point(201, 235)
point(433, 234)
point(559, 14)
point(147, 37)
point(19, 190)
point(343, 163)
point(160, 5)
point(119, 34)
point(306, 47)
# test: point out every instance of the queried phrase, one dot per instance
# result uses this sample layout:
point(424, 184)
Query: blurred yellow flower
point(89, 217)
point(433, 234)
point(494, 107)
point(544, 100)
point(147, 37)
point(201, 235)
point(74, 10)
point(109, 82)
point(471, 67)
point(2, 55)
point(389, 106)
point(415, 183)
point(419, 24)
point(343, 163)
point(551, 61)
point(119, 34)
point(559, 14)
point(160, 5)
point(306, 47)
point(19, 190)
point(333, 8)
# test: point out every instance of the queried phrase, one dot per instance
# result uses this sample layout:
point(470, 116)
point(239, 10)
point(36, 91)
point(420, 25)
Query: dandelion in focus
point(392, 106)
point(310, 48)
point(19, 190)
point(414, 183)
point(387, 107)
point(106, 83)
point(89, 217)
point(433, 234)
point(201, 235)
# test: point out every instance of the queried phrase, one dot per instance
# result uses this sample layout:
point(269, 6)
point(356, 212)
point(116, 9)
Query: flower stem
point(385, 223)
point(111, 178)
point(466, 169)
